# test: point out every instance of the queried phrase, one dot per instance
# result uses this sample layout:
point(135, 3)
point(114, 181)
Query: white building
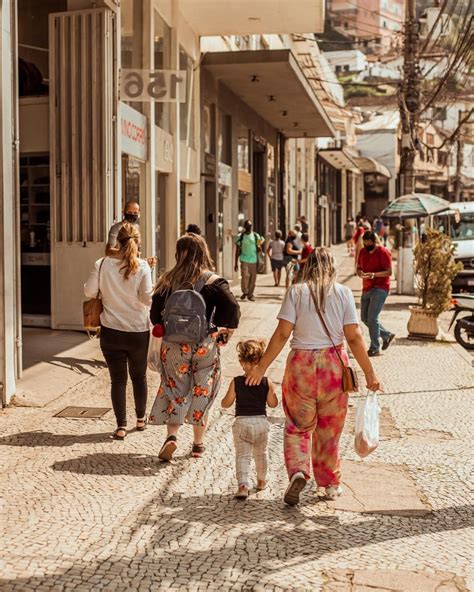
point(351, 60)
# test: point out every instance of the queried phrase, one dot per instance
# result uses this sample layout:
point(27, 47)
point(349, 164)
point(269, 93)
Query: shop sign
point(159, 86)
point(225, 174)
point(164, 153)
point(133, 132)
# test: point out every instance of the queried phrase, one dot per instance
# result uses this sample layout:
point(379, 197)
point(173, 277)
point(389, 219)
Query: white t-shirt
point(277, 248)
point(309, 333)
point(126, 302)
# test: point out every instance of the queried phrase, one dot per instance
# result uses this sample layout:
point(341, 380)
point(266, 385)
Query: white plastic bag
point(367, 425)
point(154, 351)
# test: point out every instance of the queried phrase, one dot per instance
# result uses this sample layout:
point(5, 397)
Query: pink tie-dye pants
point(315, 409)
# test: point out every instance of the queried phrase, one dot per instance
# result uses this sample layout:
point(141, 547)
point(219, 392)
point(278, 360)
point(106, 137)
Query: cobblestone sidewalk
point(83, 512)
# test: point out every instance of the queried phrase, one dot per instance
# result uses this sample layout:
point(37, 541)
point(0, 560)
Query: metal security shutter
point(82, 108)
point(83, 139)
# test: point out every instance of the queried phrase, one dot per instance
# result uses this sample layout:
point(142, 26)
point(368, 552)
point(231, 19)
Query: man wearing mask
point(374, 266)
point(248, 245)
point(131, 213)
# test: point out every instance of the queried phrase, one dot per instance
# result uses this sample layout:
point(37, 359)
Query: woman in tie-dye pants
point(319, 315)
point(315, 409)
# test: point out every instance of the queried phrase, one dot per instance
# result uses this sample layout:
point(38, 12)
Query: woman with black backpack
point(197, 313)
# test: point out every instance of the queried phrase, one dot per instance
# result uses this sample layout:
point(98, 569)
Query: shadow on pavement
point(32, 439)
point(108, 463)
point(275, 534)
point(77, 365)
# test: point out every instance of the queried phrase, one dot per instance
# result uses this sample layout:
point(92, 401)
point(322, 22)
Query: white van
point(458, 223)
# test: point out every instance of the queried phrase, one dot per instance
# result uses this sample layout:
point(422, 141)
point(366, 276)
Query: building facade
point(75, 148)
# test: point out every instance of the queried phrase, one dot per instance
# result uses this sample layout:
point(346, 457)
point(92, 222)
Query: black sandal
point(197, 450)
point(168, 448)
point(141, 428)
point(116, 436)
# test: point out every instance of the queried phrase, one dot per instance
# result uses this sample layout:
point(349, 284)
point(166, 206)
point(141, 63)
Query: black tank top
point(250, 400)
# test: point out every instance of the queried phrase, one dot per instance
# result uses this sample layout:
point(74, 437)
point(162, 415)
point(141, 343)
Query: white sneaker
point(333, 492)
point(296, 486)
point(242, 492)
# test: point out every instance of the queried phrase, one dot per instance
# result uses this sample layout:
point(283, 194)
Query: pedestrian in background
point(131, 214)
point(349, 230)
point(298, 235)
point(318, 313)
point(276, 252)
point(125, 286)
point(194, 229)
point(291, 258)
point(374, 266)
point(190, 372)
point(251, 425)
point(359, 244)
point(304, 224)
point(248, 243)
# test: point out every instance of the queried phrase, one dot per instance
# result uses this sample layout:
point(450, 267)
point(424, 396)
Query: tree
point(435, 268)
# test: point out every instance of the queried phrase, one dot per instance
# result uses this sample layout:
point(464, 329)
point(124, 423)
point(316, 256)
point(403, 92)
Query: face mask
point(370, 247)
point(131, 217)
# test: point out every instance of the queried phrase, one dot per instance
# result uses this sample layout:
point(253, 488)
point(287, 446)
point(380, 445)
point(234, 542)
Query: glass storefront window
point(131, 169)
point(208, 129)
point(243, 153)
point(186, 109)
point(161, 198)
point(162, 58)
point(33, 45)
point(132, 38)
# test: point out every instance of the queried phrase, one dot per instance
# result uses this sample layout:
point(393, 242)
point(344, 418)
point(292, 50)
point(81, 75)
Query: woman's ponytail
point(128, 239)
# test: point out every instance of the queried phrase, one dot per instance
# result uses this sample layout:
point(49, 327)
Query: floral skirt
point(190, 381)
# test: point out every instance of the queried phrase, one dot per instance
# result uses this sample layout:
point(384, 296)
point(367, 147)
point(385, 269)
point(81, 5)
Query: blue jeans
point(371, 306)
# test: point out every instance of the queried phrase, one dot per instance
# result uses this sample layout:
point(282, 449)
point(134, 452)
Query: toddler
point(250, 429)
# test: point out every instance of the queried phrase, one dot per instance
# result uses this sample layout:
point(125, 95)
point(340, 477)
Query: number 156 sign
point(162, 86)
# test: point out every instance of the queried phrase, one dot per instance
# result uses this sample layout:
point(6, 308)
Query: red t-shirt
point(379, 260)
point(306, 252)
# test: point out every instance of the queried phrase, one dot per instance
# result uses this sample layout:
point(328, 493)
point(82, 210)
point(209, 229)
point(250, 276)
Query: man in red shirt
point(374, 266)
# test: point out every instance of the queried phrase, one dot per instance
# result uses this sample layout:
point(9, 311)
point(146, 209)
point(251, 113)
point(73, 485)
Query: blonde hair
point(319, 274)
point(192, 260)
point(129, 238)
point(251, 351)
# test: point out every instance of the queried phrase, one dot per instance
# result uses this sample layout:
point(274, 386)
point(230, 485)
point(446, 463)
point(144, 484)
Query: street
point(83, 512)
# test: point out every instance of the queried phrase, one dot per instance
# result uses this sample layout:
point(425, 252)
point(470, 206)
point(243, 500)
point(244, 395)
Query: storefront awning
point(247, 17)
point(272, 83)
point(370, 165)
point(339, 159)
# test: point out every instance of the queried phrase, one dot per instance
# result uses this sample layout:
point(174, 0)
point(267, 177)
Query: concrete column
point(170, 219)
point(8, 209)
point(148, 206)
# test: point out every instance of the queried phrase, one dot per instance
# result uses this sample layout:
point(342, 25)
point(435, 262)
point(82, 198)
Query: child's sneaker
point(242, 492)
point(333, 492)
point(296, 486)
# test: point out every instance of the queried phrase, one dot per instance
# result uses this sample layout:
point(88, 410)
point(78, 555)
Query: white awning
point(272, 83)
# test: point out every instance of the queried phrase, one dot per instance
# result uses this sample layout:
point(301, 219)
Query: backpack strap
point(202, 281)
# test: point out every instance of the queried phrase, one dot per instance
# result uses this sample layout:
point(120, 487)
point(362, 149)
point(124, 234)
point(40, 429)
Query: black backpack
point(184, 316)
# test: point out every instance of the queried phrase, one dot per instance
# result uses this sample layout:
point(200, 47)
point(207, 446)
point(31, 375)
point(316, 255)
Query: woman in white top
point(314, 402)
point(126, 289)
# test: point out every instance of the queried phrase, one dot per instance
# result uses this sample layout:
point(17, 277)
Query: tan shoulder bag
point(92, 310)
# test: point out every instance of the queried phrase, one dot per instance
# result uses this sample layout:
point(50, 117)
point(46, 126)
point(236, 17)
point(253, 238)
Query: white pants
point(250, 440)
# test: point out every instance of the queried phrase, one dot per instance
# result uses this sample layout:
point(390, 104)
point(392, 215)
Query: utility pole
point(409, 98)
point(459, 163)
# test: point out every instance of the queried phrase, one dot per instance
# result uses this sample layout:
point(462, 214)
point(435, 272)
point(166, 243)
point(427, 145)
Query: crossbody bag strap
point(98, 279)
point(323, 322)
